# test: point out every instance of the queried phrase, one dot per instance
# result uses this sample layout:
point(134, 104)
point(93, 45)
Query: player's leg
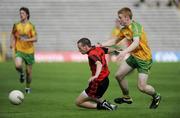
point(28, 78)
point(29, 60)
point(19, 66)
point(148, 89)
point(102, 87)
point(83, 100)
point(143, 86)
point(143, 70)
point(90, 98)
point(123, 70)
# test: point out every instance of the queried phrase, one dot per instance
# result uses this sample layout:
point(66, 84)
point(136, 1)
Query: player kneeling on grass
point(99, 82)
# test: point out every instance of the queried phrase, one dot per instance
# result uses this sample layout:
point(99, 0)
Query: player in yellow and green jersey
point(140, 58)
point(119, 44)
point(22, 38)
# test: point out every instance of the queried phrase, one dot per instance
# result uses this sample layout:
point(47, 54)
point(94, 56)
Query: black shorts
point(96, 89)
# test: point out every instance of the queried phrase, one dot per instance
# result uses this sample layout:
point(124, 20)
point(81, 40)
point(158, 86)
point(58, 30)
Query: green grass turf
point(55, 87)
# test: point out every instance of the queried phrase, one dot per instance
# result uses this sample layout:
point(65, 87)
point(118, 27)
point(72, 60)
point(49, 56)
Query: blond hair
point(126, 11)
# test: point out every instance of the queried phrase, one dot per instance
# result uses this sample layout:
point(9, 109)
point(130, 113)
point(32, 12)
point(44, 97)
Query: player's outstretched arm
point(109, 42)
point(112, 49)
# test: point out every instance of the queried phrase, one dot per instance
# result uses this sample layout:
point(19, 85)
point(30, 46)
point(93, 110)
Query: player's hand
point(92, 78)
point(24, 37)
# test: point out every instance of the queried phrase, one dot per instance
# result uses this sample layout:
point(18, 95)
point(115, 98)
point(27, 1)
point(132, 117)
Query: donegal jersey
point(22, 32)
point(135, 29)
point(115, 32)
point(119, 45)
point(98, 54)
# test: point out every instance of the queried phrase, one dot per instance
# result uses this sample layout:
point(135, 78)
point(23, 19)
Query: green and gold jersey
point(22, 32)
point(115, 32)
point(135, 29)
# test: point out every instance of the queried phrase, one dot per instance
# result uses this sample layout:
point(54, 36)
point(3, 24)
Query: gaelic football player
point(22, 38)
point(99, 81)
point(140, 58)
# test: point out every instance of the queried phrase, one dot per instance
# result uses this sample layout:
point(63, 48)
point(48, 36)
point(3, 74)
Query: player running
point(22, 38)
point(140, 58)
point(99, 81)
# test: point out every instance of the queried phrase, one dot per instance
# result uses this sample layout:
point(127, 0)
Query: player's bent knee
point(18, 65)
point(141, 87)
point(119, 77)
point(78, 103)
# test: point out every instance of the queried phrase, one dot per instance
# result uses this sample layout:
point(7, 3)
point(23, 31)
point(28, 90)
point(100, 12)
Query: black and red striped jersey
point(98, 54)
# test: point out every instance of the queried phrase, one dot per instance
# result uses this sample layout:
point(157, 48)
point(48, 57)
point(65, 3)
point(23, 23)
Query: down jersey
point(98, 54)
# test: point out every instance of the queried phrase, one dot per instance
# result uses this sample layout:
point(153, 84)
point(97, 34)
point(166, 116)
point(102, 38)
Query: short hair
point(126, 11)
point(26, 10)
point(84, 41)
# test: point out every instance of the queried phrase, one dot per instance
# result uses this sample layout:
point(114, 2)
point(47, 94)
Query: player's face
point(82, 48)
point(122, 20)
point(23, 15)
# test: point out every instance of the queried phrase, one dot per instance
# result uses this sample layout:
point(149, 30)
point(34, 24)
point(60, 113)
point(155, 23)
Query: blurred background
point(60, 23)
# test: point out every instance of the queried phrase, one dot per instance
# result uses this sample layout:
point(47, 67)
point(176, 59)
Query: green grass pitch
point(55, 87)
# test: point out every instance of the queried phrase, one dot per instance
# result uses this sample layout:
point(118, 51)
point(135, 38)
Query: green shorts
point(27, 58)
point(141, 65)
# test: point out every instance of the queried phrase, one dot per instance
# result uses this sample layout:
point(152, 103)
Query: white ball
point(16, 97)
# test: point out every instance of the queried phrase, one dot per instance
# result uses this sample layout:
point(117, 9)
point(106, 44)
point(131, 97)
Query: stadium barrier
point(69, 56)
point(74, 56)
point(166, 56)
